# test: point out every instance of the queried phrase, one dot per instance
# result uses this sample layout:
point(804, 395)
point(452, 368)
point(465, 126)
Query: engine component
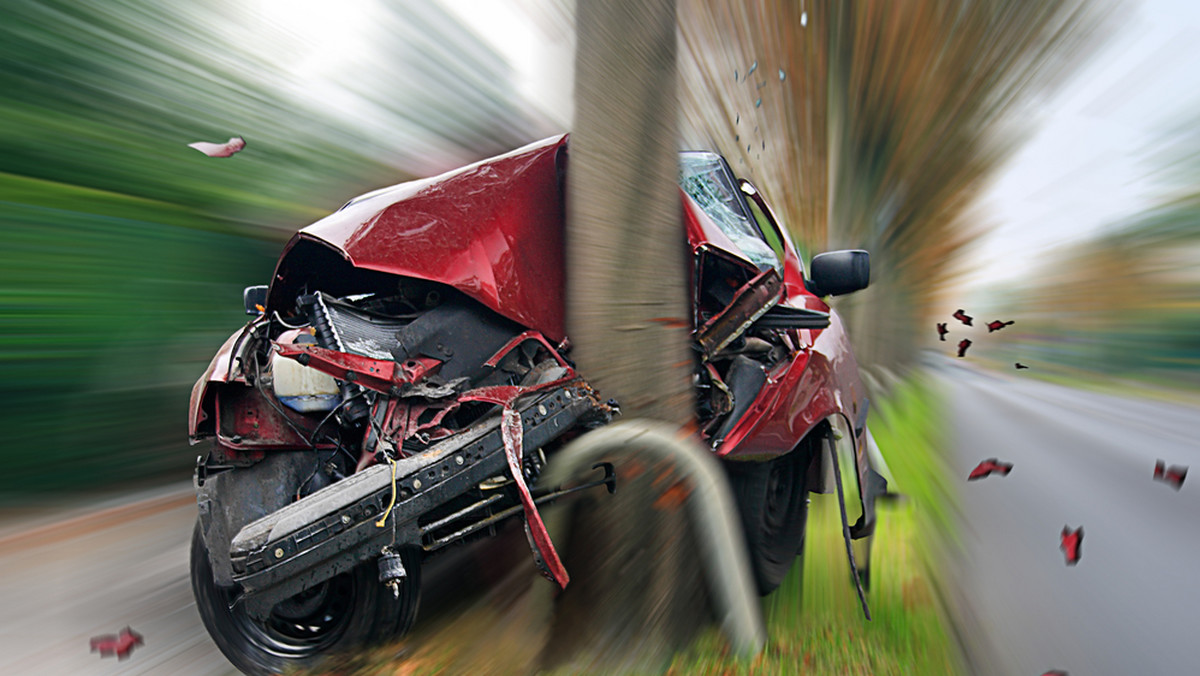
point(314, 306)
point(301, 388)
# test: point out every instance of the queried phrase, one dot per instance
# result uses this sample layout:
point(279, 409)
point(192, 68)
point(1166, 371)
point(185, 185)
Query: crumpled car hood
point(493, 230)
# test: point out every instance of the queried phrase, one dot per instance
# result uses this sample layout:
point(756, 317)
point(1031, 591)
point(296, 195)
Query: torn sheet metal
point(751, 302)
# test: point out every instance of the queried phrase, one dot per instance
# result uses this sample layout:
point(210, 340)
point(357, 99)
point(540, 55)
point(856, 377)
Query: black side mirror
point(254, 297)
point(840, 272)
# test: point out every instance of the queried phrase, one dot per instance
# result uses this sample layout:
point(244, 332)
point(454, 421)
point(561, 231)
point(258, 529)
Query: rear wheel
point(344, 612)
point(773, 503)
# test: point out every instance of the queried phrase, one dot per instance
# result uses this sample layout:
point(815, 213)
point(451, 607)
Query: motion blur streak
point(125, 251)
point(1123, 303)
point(890, 119)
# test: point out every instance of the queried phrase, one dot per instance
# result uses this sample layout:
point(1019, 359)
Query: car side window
point(704, 178)
point(767, 228)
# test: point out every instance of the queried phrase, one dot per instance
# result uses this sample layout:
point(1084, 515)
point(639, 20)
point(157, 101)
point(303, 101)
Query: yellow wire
point(380, 523)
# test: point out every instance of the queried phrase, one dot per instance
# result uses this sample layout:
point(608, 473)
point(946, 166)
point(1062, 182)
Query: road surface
point(93, 571)
point(1132, 604)
point(71, 573)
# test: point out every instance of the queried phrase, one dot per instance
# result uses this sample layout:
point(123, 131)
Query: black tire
point(773, 502)
point(348, 611)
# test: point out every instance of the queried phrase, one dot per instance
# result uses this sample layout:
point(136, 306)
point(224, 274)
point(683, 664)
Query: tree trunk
point(627, 311)
point(633, 595)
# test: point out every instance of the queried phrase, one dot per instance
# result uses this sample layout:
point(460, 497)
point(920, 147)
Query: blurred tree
point(919, 105)
point(874, 125)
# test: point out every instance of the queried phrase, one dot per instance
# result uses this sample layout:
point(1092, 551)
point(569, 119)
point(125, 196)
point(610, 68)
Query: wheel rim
point(305, 624)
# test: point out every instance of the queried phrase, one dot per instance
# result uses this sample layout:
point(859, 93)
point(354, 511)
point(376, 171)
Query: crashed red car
point(405, 377)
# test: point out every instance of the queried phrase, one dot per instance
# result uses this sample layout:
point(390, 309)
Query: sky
point(1090, 161)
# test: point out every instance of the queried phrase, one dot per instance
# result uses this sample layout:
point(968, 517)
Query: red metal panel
point(815, 384)
point(493, 230)
point(217, 371)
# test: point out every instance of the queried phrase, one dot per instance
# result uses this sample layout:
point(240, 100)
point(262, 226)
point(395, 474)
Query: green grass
point(816, 625)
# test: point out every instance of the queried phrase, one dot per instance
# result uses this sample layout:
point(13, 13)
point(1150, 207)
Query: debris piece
point(989, 467)
point(120, 645)
point(233, 145)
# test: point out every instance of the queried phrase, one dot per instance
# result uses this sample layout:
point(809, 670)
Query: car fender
point(220, 370)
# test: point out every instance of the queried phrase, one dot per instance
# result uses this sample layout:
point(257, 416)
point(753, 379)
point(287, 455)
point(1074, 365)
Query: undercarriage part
point(540, 497)
point(744, 379)
point(858, 581)
point(391, 570)
point(716, 520)
point(333, 529)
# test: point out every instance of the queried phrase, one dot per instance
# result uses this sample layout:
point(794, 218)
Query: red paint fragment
point(121, 645)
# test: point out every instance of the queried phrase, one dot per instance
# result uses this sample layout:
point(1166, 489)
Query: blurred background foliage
point(866, 125)
point(124, 251)
point(1125, 302)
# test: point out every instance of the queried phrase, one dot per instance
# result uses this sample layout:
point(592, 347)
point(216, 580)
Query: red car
point(404, 378)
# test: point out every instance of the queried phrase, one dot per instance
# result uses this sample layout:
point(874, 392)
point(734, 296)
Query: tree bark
point(636, 590)
point(627, 307)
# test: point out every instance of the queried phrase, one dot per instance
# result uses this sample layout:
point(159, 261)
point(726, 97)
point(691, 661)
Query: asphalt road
point(1132, 603)
point(92, 570)
point(68, 573)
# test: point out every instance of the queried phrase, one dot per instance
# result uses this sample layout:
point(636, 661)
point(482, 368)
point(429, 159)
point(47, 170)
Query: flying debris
point(120, 645)
point(962, 347)
point(758, 103)
point(989, 467)
point(997, 325)
point(1020, 366)
point(1072, 540)
point(782, 75)
point(942, 331)
point(962, 317)
point(1173, 476)
point(233, 145)
point(753, 67)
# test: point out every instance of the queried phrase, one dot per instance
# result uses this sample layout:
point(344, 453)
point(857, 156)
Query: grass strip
point(814, 622)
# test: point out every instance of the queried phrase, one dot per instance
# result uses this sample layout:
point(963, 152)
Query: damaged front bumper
point(334, 529)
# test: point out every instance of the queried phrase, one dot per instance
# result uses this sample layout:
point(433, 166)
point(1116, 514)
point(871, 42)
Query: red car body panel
point(493, 230)
point(820, 380)
point(217, 372)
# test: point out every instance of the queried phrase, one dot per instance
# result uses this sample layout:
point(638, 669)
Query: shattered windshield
point(704, 179)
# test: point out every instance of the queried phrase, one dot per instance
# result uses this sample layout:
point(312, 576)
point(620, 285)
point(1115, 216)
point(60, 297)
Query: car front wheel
point(344, 612)
point(773, 503)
